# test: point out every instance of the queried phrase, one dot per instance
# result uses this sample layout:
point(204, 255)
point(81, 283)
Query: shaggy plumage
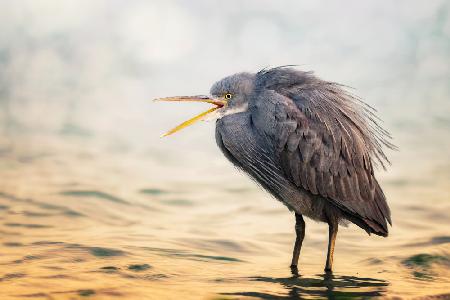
point(308, 142)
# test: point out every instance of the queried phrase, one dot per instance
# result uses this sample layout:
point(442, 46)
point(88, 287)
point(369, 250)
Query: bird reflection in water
point(325, 285)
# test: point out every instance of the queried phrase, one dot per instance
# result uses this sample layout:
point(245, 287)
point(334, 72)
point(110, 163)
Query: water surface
point(74, 223)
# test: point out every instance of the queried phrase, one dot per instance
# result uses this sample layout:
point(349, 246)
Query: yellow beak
point(217, 102)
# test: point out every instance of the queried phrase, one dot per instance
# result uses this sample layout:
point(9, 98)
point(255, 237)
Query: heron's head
point(234, 90)
point(228, 95)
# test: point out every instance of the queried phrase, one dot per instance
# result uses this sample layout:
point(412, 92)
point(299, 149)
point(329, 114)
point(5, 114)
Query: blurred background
point(84, 172)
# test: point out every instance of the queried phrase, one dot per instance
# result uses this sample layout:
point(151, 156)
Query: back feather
point(328, 140)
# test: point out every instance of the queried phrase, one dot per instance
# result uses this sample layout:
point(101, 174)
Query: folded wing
point(326, 141)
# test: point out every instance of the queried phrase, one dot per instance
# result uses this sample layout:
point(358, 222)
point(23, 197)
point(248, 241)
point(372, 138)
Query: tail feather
point(378, 222)
point(368, 225)
point(375, 228)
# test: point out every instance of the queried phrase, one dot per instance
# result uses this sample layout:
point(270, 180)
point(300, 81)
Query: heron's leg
point(333, 229)
point(300, 232)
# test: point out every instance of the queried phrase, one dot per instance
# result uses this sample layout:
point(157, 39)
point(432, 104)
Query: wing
point(236, 137)
point(325, 141)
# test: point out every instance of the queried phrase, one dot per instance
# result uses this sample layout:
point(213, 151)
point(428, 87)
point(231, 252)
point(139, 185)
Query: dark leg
point(300, 232)
point(333, 229)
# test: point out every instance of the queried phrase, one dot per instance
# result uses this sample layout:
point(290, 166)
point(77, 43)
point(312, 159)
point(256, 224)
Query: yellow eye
point(228, 96)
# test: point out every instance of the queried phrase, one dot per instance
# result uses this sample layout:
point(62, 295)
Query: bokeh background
point(78, 131)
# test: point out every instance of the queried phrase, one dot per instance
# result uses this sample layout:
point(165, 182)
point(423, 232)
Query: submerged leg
point(333, 229)
point(300, 232)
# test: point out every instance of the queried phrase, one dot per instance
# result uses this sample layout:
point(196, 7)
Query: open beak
point(217, 102)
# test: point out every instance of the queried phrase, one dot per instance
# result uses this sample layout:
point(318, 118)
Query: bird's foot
point(328, 270)
point(294, 270)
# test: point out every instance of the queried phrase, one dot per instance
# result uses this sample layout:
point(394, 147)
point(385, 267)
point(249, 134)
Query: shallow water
point(93, 205)
point(78, 220)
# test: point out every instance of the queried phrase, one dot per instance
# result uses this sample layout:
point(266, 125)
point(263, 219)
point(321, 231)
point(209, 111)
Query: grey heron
point(308, 142)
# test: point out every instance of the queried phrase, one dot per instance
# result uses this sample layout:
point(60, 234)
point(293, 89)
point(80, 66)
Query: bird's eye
point(228, 96)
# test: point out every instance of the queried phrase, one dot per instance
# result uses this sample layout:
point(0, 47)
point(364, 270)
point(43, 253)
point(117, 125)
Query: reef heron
point(308, 142)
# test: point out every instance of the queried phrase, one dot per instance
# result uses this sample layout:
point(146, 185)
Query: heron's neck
point(231, 110)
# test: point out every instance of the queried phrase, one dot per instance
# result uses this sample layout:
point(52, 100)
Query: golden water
point(80, 219)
